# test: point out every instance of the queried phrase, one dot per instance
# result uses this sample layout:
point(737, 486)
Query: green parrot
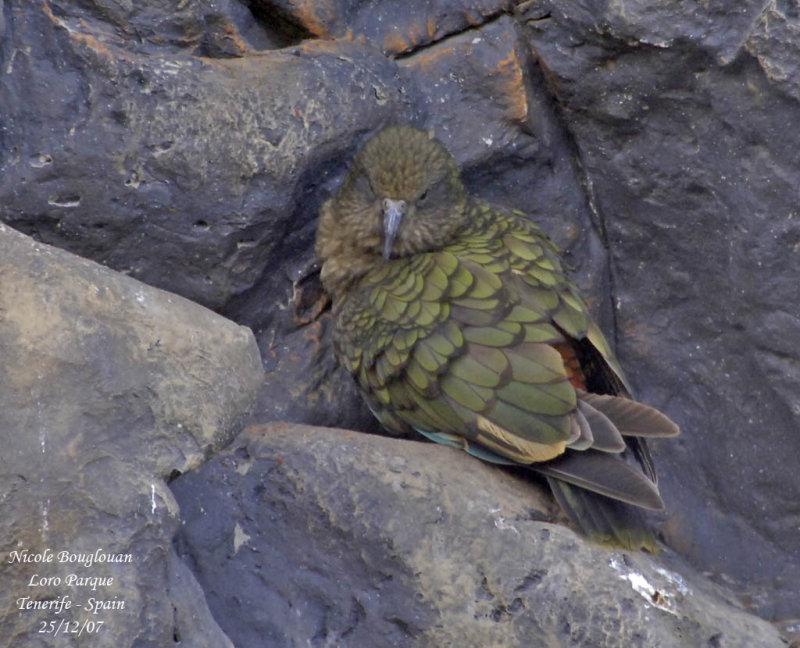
point(456, 320)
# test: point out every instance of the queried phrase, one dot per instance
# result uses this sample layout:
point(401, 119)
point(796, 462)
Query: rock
point(396, 28)
point(182, 170)
point(109, 387)
point(696, 180)
point(773, 41)
point(313, 536)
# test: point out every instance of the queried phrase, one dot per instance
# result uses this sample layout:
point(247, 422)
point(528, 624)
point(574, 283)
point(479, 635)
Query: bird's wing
point(439, 343)
point(597, 367)
point(470, 346)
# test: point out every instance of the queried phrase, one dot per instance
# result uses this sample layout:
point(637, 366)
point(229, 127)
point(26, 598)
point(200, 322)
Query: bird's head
point(402, 195)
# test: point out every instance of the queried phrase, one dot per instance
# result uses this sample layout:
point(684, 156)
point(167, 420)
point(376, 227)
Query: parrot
point(458, 322)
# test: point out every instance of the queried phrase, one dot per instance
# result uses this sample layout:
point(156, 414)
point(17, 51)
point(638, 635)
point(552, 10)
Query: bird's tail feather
point(603, 519)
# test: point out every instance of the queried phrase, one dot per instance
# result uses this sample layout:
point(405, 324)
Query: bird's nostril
point(390, 204)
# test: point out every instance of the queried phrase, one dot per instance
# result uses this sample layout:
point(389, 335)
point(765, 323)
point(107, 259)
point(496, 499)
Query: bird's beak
point(393, 212)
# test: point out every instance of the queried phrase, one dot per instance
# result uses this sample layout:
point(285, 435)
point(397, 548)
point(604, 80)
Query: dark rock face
point(184, 171)
point(396, 28)
point(697, 183)
point(315, 536)
point(190, 145)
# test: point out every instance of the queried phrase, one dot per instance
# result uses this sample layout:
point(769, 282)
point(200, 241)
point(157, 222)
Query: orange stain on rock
point(315, 17)
point(394, 44)
point(513, 85)
point(232, 34)
point(431, 27)
point(85, 38)
point(427, 58)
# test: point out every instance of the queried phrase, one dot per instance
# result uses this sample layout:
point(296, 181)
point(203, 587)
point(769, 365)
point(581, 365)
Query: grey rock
point(396, 28)
point(313, 536)
point(774, 42)
point(181, 170)
point(109, 388)
point(696, 181)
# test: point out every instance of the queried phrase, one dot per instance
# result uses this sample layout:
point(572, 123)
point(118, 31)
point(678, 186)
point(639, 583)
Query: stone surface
point(184, 171)
point(398, 28)
point(313, 536)
point(697, 183)
point(109, 387)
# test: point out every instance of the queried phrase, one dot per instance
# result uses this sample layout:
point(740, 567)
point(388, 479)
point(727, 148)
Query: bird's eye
point(423, 196)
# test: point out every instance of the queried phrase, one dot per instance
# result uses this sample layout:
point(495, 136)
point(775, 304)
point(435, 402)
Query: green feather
point(435, 284)
point(419, 378)
point(523, 249)
point(527, 313)
point(541, 333)
point(553, 399)
point(475, 373)
point(473, 397)
point(486, 284)
point(393, 309)
point(502, 335)
point(429, 313)
point(540, 299)
point(539, 428)
point(452, 331)
point(537, 276)
point(460, 282)
point(536, 364)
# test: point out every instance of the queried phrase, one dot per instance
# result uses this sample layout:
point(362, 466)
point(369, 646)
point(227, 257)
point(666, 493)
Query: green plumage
point(457, 320)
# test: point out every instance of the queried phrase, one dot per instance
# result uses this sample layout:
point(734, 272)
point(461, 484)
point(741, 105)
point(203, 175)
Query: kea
point(456, 319)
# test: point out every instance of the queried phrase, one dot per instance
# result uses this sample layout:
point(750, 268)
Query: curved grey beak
point(393, 212)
